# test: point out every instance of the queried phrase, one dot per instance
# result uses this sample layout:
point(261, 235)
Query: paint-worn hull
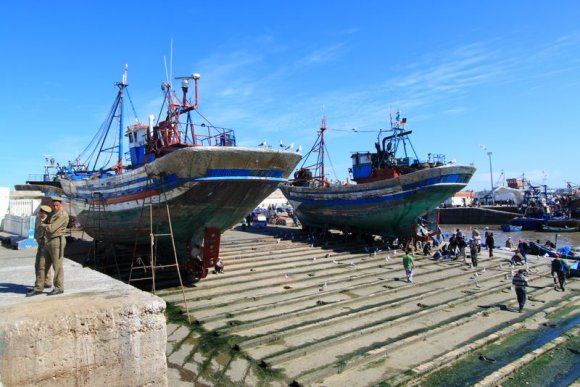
point(388, 207)
point(203, 187)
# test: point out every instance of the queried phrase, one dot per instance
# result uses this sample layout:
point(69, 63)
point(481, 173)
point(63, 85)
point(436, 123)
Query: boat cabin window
point(361, 158)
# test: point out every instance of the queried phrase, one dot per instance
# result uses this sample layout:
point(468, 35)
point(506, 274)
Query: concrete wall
point(4, 203)
point(24, 207)
point(22, 226)
point(475, 215)
point(110, 338)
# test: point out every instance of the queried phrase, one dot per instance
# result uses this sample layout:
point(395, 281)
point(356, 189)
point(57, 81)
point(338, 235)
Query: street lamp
point(490, 172)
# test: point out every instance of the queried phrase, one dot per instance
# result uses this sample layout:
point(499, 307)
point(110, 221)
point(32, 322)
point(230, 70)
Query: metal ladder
point(138, 262)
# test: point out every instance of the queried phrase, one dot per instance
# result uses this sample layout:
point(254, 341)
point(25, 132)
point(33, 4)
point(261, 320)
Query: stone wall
point(99, 339)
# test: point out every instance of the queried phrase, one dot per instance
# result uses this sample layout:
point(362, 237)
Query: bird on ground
point(334, 261)
point(388, 258)
point(327, 255)
point(314, 259)
point(486, 359)
point(286, 276)
point(325, 285)
point(278, 241)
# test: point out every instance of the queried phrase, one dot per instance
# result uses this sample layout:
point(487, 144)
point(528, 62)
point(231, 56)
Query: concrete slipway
point(300, 311)
point(287, 310)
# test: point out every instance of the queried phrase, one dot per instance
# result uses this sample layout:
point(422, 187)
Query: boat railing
point(219, 137)
point(40, 177)
point(206, 135)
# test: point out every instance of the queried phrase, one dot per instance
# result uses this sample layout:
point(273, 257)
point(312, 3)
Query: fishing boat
point(193, 171)
point(547, 228)
point(509, 228)
point(392, 190)
point(538, 249)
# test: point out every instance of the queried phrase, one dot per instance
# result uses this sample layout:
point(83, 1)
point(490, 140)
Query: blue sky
point(501, 74)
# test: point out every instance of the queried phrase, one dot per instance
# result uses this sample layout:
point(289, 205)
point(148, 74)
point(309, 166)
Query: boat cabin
point(137, 135)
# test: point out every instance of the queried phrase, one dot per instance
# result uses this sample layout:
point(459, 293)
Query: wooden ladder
point(154, 204)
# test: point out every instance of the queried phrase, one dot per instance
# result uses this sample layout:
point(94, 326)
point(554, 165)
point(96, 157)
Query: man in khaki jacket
point(41, 266)
point(55, 243)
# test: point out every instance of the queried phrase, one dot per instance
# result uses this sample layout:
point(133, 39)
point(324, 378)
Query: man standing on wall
point(55, 243)
point(42, 265)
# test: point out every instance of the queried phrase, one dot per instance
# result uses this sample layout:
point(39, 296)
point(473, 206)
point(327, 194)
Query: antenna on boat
point(171, 60)
point(185, 88)
point(166, 71)
point(151, 124)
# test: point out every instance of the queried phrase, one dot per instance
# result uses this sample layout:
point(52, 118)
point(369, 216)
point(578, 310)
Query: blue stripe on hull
point(409, 189)
point(171, 182)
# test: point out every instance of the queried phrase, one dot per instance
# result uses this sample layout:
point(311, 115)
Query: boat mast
point(122, 85)
point(321, 154)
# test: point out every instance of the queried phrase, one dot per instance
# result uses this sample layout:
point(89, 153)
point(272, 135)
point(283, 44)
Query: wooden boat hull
point(538, 224)
point(547, 228)
point(527, 223)
point(388, 207)
point(538, 249)
point(203, 186)
point(510, 228)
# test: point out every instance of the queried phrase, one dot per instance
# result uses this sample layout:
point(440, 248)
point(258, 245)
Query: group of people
point(457, 244)
point(49, 233)
point(455, 248)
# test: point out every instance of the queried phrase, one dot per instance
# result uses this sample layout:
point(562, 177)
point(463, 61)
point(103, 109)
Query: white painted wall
point(4, 204)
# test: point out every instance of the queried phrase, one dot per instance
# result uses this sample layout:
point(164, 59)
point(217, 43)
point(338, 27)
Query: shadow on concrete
point(14, 288)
